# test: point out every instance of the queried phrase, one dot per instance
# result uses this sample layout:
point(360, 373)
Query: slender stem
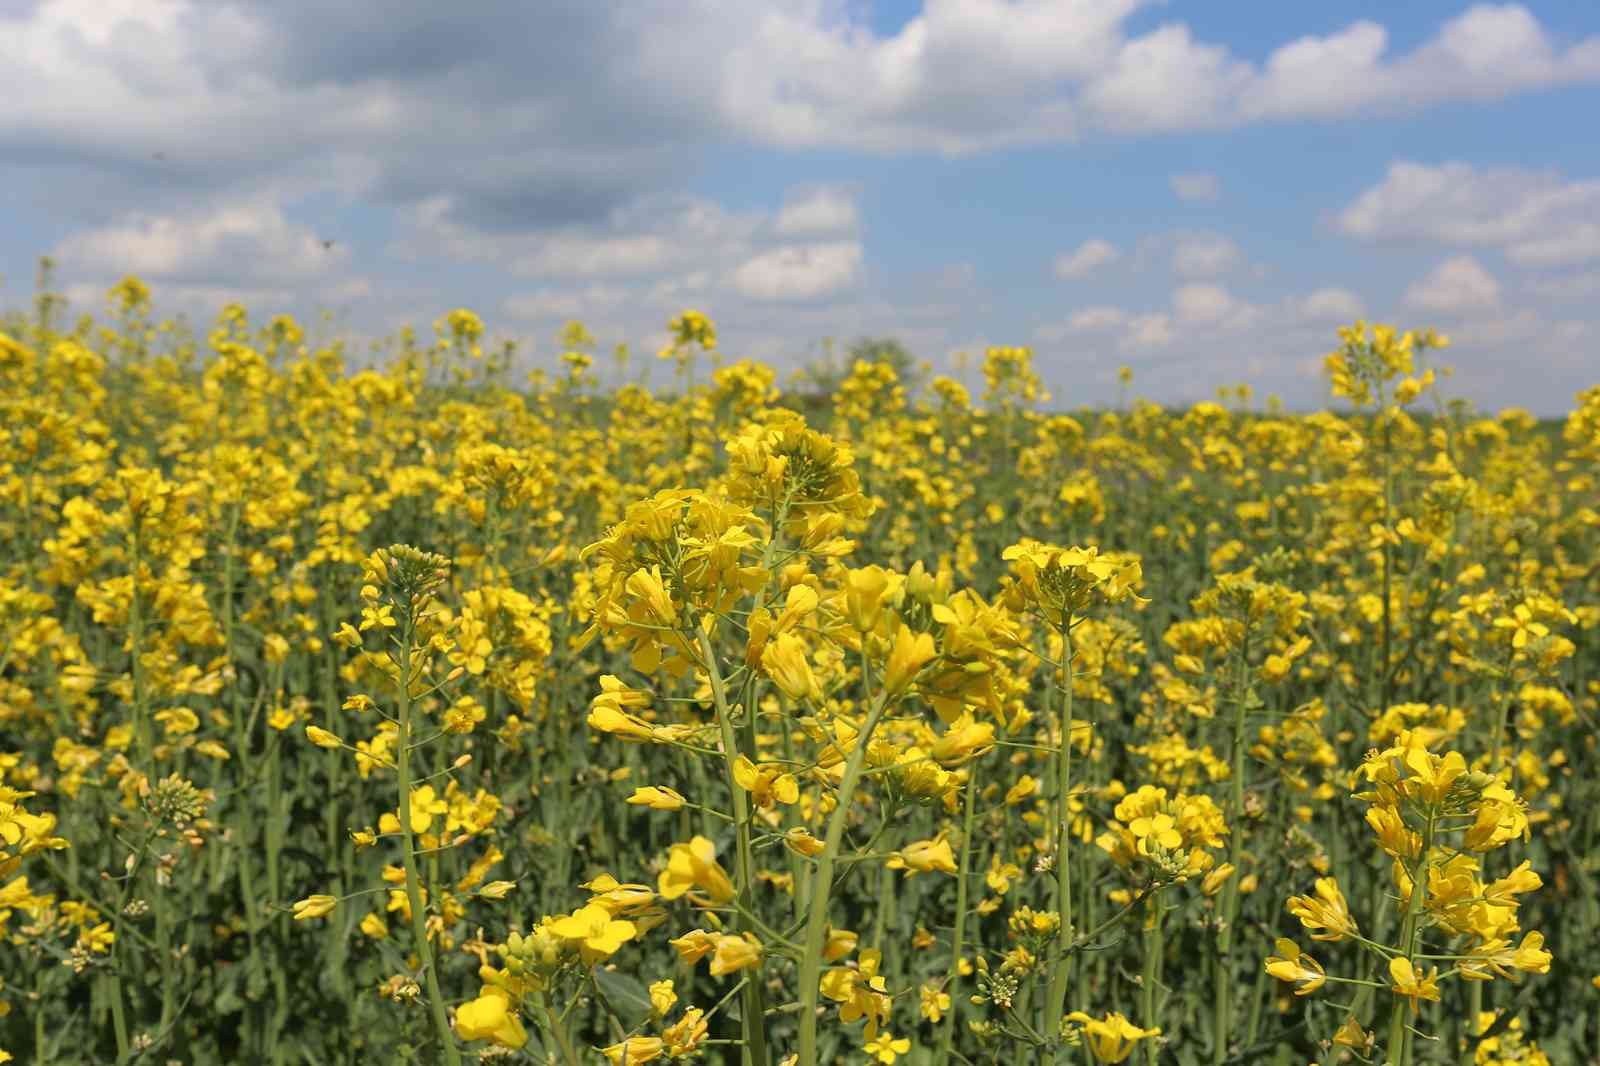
point(1056, 996)
point(419, 917)
point(822, 888)
point(755, 1034)
point(1395, 1049)
point(1154, 947)
point(953, 985)
point(1228, 910)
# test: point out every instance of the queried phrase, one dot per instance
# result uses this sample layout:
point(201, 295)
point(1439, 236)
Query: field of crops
point(410, 711)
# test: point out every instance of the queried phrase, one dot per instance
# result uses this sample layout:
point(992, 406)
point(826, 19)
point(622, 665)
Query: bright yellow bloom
point(910, 653)
point(491, 1017)
point(635, 1050)
point(735, 953)
point(1327, 915)
point(657, 798)
point(934, 1001)
point(694, 865)
point(596, 934)
point(662, 997)
point(886, 1046)
point(1296, 967)
point(314, 907)
point(1113, 1038)
point(924, 856)
point(1410, 983)
point(767, 783)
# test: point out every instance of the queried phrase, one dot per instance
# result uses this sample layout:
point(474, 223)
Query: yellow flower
point(785, 661)
point(861, 992)
point(800, 840)
point(885, 1047)
point(767, 783)
point(596, 933)
point(635, 1050)
point(735, 953)
point(1296, 967)
point(1327, 912)
point(1113, 1038)
point(662, 997)
point(934, 1002)
point(1411, 984)
point(1351, 1034)
point(924, 856)
point(657, 798)
point(491, 1017)
point(318, 906)
point(910, 653)
point(964, 739)
point(374, 926)
point(322, 738)
point(694, 865)
point(685, 1034)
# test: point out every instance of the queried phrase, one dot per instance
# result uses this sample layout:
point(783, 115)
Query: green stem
point(419, 917)
point(754, 1025)
point(1154, 947)
point(953, 985)
point(1395, 1049)
point(1056, 997)
point(822, 888)
point(1228, 909)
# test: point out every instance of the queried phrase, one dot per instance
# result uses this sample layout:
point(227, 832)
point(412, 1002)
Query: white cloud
point(1538, 219)
point(1458, 286)
point(1201, 255)
point(799, 272)
point(1149, 331)
point(818, 212)
point(1096, 318)
point(1082, 261)
point(1196, 188)
point(564, 303)
point(1202, 303)
point(1330, 305)
point(249, 244)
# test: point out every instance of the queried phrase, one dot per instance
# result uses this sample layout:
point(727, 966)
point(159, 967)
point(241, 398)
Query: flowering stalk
point(1395, 1049)
point(1228, 911)
point(419, 917)
point(822, 888)
point(1055, 999)
point(754, 1001)
point(969, 807)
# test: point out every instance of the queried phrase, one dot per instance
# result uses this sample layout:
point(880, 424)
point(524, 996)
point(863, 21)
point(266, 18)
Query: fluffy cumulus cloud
point(1537, 218)
point(577, 159)
point(1458, 286)
point(1330, 304)
point(798, 272)
point(816, 212)
point(1204, 255)
point(1085, 259)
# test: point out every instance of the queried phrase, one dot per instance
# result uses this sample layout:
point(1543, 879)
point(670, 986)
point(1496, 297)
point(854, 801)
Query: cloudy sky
point(1200, 191)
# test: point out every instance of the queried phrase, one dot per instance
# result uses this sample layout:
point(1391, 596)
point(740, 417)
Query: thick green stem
point(419, 916)
point(822, 889)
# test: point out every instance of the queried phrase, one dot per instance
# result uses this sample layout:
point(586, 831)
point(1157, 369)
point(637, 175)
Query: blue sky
point(1200, 191)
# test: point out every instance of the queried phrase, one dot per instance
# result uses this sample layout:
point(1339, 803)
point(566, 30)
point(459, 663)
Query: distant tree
point(822, 376)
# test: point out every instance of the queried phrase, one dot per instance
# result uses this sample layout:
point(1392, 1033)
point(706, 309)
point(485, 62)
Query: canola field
point(398, 708)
